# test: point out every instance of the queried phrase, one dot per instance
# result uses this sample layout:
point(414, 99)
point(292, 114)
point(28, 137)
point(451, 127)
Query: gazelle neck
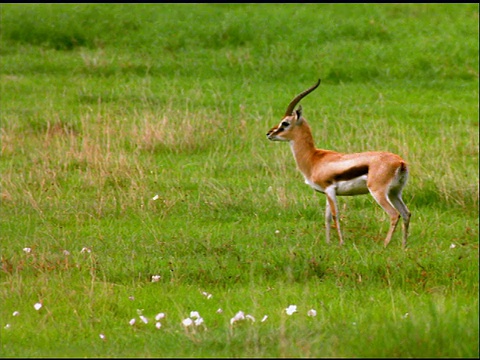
point(303, 148)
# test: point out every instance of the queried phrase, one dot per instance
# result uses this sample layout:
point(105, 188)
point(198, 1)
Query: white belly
point(355, 186)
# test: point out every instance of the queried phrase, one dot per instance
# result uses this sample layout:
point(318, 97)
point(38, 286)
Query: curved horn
point(299, 97)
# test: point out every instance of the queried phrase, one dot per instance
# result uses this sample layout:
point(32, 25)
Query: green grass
point(105, 108)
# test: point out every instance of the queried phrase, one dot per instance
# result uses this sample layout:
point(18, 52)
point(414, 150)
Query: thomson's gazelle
point(382, 174)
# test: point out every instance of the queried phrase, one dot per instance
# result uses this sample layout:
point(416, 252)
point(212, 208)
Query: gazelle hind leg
point(332, 205)
point(328, 220)
point(397, 202)
point(381, 197)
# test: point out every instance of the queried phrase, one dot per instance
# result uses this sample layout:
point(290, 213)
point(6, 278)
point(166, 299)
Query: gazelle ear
point(298, 113)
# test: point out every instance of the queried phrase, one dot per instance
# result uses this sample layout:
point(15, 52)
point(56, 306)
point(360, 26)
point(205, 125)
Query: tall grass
point(133, 146)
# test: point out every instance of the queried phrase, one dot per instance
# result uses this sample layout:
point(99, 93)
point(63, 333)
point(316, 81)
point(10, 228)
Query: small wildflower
point(132, 322)
point(27, 250)
point(238, 316)
point(144, 319)
point(156, 278)
point(291, 309)
point(312, 312)
point(187, 322)
point(264, 318)
point(198, 321)
point(207, 295)
point(158, 325)
point(159, 316)
point(453, 246)
point(277, 231)
point(155, 197)
point(7, 327)
point(38, 306)
point(16, 313)
point(219, 311)
point(85, 250)
point(102, 336)
point(194, 314)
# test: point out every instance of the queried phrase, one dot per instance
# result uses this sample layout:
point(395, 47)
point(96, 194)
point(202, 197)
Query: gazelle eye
point(285, 124)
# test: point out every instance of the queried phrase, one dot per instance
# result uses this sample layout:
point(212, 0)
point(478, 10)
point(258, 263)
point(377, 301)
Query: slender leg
point(397, 202)
point(328, 220)
point(381, 197)
point(332, 200)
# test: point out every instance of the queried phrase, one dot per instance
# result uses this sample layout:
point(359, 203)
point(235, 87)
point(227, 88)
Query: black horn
point(299, 97)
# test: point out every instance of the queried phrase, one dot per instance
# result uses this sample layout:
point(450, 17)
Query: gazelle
point(383, 174)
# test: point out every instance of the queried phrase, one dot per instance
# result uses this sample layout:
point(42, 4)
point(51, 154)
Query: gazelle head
point(291, 119)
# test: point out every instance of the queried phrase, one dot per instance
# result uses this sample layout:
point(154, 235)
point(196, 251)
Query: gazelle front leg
point(331, 193)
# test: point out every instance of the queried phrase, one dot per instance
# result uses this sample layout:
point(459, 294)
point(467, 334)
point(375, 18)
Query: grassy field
point(136, 180)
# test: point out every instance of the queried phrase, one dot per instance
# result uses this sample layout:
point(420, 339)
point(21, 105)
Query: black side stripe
point(352, 173)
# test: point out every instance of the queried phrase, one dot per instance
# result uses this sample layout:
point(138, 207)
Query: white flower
point(277, 231)
point(15, 313)
point(155, 197)
point(291, 309)
point(7, 326)
point(144, 319)
point(452, 246)
point(312, 312)
point(158, 325)
point(102, 336)
point(85, 250)
point(159, 316)
point(156, 278)
point(132, 322)
point(187, 322)
point(207, 295)
point(194, 314)
point(38, 306)
point(198, 321)
point(264, 318)
point(238, 316)
point(27, 250)
point(219, 311)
